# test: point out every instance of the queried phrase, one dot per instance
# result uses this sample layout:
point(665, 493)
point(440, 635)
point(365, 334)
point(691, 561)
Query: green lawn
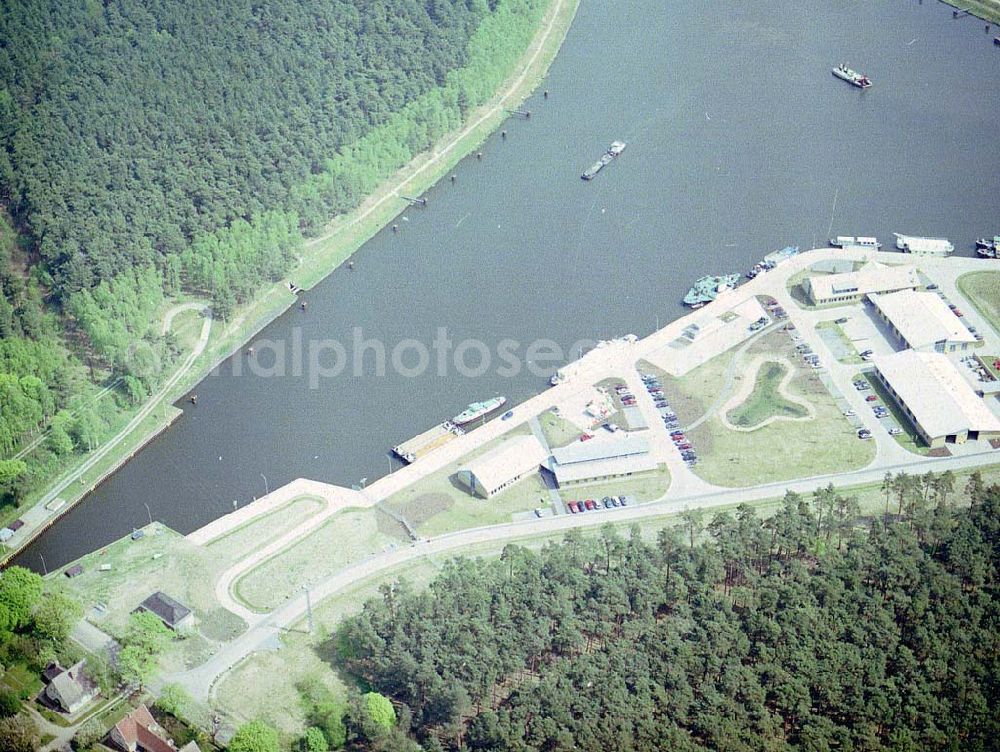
point(983, 291)
point(345, 538)
point(765, 401)
point(985, 9)
point(692, 394)
point(558, 431)
point(782, 450)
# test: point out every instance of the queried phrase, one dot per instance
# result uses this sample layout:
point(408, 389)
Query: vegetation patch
point(766, 401)
point(983, 291)
point(345, 538)
point(558, 431)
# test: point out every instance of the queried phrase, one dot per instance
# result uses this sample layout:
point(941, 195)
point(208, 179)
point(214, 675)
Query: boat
point(923, 246)
point(852, 76)
point(478, 410)
point(771, 260)
point(616, 148)
point(849, 241)
point(988, 248)
point(557, 378)
point(706, 289)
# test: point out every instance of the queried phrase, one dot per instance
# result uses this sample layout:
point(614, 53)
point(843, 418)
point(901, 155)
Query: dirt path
point(748, 385)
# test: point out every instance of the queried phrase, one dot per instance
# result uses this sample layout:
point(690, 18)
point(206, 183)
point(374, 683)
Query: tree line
point(813, 629)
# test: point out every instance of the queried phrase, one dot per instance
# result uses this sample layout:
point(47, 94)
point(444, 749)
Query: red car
point(959, 313)
point(871, 398)
point(590, 504)
point(683, 446)
point(585, 437)
point(573, 507)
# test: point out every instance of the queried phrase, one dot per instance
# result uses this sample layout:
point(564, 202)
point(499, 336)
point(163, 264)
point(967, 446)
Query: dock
point(413, 449)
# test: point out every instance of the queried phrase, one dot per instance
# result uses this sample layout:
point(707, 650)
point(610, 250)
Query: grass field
point(766, 401)
point(985, 9)
point(983, 291)
point(344, 539)
point(782, 450)
point(692, 394)
point(558, 431)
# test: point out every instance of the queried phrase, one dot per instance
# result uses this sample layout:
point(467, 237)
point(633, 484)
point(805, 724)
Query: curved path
point(539, 44)
point(748, 386)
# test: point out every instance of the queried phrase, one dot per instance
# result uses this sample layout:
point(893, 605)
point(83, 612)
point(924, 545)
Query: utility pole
point(309, 608)
point(44, 568)
point(148, 513)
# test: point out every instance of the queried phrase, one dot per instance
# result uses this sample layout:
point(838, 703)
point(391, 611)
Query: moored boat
point(616, 148)
point(923, 246)
point(852, 76)
point(707, 289)
point(849, 241)
point(479, 410)
point(991, 246)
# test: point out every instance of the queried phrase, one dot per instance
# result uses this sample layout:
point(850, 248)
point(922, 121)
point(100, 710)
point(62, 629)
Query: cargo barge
point(616, 148)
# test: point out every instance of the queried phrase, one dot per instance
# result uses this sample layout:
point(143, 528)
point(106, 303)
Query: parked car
point(684, 446)
point(590, 504)
point(871, 398)
point(585, 437)
point(841, 320)
point(607, 502)
point(573, 507)
point(895, 431)
point(623, 500)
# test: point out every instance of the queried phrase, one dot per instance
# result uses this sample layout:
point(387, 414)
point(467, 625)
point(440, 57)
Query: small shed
point(16, 525)
point(74, 571)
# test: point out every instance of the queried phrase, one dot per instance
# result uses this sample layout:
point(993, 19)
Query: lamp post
point(266, 490)
point(44, 568)
point(148, 513)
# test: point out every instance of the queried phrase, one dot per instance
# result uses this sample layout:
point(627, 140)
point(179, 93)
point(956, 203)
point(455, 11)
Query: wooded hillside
point(810, 630)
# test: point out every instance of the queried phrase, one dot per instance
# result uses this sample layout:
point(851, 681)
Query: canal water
point(740, 141)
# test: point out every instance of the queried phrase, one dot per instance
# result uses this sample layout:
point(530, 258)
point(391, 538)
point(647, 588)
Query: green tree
point(55, 615)
point(379, 709)
point(314, 740)
point(20, 591)
point(255, 736)
point(10, 704)
point(145, 638)
point(18, 734)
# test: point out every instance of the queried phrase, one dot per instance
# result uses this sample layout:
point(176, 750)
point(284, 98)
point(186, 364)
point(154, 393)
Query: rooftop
point(172, 612)
point(620, 444)
point(932, 388)
point(872, 277)
point(922, 318)
point(508, 460)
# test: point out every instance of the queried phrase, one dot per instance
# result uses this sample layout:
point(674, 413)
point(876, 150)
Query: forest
point(813, 629)
point(153, 149)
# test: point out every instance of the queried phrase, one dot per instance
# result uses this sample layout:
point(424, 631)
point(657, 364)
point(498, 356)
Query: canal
point(740, 141)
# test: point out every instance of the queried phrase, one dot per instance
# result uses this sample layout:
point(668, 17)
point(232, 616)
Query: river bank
point(988, 10)
point(321, 256)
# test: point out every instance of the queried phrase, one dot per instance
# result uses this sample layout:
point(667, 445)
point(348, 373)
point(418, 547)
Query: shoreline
point(324, 254)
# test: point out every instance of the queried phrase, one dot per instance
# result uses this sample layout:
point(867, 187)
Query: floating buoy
point(453, 178)
point(350, 264)
point(194, 399)
point(545, 94)
point(395, 228)
point(249, 351)
point(527, 114)
point(304, 304)
point(479, 155)
point(503, 134)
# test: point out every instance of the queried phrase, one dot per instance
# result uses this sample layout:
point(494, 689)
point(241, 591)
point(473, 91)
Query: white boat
point(852, 76)
point(478, 410)
point(849, 241)
point(924, 246)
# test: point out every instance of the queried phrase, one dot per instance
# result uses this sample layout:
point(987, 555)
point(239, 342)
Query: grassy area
point(833, 326)
point(988, 10)
point(691, 395)
point(21, 679)
point(346, 538)
point(983, 291)
point(440, 504)
point(765, 401)
point(558, 431)
point(644, 488)
point(782, 450)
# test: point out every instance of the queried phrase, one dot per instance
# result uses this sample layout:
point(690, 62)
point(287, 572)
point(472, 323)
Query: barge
point(924, 246)
point(988, 248)
point(849, 241)
point(772, 260)
point(616, 148)
point(413, 449)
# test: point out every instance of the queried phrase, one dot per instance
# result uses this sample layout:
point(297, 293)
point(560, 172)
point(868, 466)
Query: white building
point(503, 466)
point(923, 321)
point(850, 287)
point(940, 403)
point(616, 455)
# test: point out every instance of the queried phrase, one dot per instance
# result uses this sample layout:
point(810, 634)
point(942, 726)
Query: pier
point(526, 114)
point(414, 201)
